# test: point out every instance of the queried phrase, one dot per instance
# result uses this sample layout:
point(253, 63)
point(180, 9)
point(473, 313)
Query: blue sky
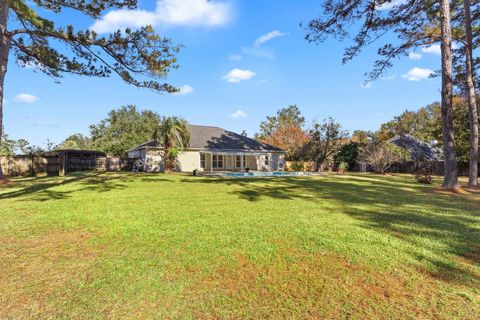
point(242, 60)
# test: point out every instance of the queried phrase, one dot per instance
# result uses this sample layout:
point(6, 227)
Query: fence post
point(62, 165)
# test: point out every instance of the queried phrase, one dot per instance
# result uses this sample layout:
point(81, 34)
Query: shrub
point(379, 156)
point(423, 176)
point(297, 166)
point(342, 167)
point(348, 153)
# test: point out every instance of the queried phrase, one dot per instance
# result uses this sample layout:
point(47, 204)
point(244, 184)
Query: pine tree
point(139, 57)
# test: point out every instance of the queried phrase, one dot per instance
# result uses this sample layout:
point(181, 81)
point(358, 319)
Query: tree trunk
point(4, 50)
point(450, 179)
point(472, 104)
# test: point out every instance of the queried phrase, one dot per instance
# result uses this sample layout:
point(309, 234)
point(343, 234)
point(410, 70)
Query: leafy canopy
point(415, 23)
point(326, 139)
point(123, 129)
point(76, 142)
point(10, 147)
point(140, 57)
point(289, 116)
point(425, 124)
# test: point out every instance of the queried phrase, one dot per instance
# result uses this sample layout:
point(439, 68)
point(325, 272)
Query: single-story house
point(213, 149)
point(419, 150)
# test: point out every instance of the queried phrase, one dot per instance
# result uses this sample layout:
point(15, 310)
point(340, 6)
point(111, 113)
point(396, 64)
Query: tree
point(285, 131)
point(450, 180)
point(76, 142)
point(173, 134)
point(289, 116)
point(348, 153)
point(326, 138)
point(123, 129)
point(427, 126)
point(415, 23)
point(362, 137)
point(470, 86)
point(139, 57)
point(290, 138)
point(379, 156)
point(12, 147)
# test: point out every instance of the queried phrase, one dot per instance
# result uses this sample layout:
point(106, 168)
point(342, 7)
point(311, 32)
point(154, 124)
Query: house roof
point(419, 150)
point(215, 138)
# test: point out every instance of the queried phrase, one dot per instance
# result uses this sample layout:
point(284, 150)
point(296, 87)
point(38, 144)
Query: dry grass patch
point(325, 285)
point(35, 268)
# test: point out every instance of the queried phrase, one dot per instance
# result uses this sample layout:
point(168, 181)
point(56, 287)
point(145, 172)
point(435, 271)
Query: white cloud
point(25, 98)
point(390, 5)
point(366, 85)
point(237, 75)
point(414, 56)
point(186, 89)
point(435, 49)
point(269, 36)
point(417, 74)
point(238, 114)
point(234, 57)
point(168, 13)
point(257, 49)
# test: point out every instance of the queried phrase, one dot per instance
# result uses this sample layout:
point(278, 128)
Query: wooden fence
point(39, 165)
point(300, 166)
point(436, 167)
point(29, 165)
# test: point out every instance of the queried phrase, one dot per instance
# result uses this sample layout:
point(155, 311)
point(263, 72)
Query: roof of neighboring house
point(419, 150)
point(215, 138)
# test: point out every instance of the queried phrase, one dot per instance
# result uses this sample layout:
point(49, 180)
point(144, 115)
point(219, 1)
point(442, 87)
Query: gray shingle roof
point(419, 150)
point(215, 138)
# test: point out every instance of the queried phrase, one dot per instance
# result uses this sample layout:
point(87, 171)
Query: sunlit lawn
point(95, 246)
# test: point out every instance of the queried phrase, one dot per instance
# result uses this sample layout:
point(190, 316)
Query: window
point(267, 160)
point(238, 161)
point(217, 161)
point(202, 160)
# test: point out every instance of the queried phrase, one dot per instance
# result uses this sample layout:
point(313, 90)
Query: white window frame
point(203, 160)
point(216, 160)
point(240, 162)
point(267, 160)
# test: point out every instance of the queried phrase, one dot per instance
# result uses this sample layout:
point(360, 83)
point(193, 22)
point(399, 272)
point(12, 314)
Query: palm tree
point(173, 133)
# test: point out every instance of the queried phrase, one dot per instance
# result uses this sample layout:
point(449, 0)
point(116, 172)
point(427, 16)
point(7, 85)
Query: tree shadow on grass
point(50, 187)
point(391, 205)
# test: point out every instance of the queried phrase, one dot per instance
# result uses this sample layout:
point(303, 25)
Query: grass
point(94, 246)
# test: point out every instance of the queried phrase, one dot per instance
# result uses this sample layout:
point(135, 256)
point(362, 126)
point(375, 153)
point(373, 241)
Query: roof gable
point(215, 138)
point(204, 137)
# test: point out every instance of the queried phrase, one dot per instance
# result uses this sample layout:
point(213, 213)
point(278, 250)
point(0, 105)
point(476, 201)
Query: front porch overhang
point(230, 162)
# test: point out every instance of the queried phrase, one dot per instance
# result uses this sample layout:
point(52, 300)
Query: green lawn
point(96, 246)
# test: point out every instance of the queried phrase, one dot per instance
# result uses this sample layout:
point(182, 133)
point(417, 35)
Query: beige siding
point(188, 161)
point(252, 162)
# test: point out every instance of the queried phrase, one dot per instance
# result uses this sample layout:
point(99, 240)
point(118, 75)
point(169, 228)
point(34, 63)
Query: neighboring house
point(419, 150)
point(214, 149)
